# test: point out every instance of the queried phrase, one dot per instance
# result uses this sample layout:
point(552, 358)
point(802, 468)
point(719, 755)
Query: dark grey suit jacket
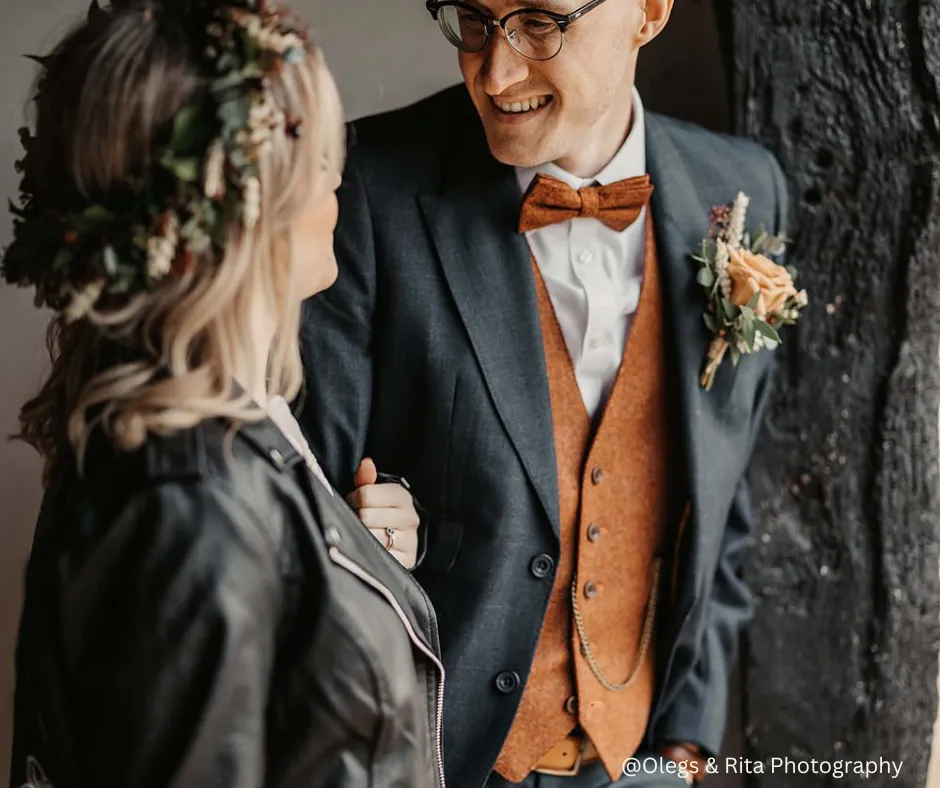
point(427, 356)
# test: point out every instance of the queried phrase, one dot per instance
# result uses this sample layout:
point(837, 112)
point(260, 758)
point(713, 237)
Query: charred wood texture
point(841, 662)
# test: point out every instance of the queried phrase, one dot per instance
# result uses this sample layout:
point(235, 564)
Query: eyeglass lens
point(532, 34)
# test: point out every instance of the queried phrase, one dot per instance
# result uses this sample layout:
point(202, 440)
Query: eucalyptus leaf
point(62, 258)
point(190, 131)
point(759, 241)
point(294, 55)
point(710, 322)
point(750, 333)
point(249, 47)
point(234, 114)
point(238, 158)
point(231, 80)
point(775, 245)
point(768, 331)
point(755, 300)
point(110, 259)
point(98, 214)
point(186, 170)
point(705, 278)
point(735, 355)
point(227, 62)
point(730, 310)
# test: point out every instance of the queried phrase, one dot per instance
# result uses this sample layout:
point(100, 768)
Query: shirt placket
point(601, 301)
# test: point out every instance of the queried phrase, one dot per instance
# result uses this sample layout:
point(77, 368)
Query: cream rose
point(752, 273)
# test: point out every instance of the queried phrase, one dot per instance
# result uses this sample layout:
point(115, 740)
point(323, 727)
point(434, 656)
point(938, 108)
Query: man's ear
point(656, 14)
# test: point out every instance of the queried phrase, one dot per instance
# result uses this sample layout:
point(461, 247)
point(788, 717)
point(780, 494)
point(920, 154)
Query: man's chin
point(516, 151)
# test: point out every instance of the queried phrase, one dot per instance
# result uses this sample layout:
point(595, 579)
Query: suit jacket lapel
point(486, 263)
point(681, 219)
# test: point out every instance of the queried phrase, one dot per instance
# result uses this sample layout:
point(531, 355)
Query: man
point(534, 372)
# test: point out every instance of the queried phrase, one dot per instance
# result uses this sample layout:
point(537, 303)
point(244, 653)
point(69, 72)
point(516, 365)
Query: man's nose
point(503, 66)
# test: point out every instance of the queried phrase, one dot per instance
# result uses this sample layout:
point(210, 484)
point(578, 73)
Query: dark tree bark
point(842, 659)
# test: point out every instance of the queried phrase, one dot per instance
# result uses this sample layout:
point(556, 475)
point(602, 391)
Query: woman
point(201, 608)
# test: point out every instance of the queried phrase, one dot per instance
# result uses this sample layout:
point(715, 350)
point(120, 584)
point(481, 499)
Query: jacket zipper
point(339, 558)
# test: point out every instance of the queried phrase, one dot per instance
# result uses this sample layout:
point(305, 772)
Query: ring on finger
point(390, 537)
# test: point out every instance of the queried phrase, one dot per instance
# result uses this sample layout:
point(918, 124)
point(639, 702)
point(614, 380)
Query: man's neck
point(600, 148)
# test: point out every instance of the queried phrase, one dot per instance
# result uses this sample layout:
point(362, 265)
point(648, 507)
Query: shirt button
point(597, 475)
point(541, 566)
point(507, 681)
point(590, 589)
point(594, 532)
point(571, 706)
point(597, 341)
point(585, 257)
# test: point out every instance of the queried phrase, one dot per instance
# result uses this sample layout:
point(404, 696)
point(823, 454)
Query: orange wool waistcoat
point(612, 490)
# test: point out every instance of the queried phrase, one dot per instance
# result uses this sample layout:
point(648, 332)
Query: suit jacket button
point(590, 589)
point(594, 532)
point(507, 681)
point(541, 566)
point(597, 475)
point(571, 706)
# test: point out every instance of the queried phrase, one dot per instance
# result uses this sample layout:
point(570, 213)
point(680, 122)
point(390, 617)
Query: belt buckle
point(574, 770)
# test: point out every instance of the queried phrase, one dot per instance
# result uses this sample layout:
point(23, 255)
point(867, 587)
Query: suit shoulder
point(715, 146)
point(725, 164)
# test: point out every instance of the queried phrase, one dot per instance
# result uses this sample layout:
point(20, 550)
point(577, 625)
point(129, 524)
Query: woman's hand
point(388, 511)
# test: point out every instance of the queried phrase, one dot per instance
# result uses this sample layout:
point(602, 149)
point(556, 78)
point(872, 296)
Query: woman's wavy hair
point(105, 106)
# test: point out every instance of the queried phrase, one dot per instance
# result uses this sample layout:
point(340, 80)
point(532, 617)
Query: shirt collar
point(628, 162)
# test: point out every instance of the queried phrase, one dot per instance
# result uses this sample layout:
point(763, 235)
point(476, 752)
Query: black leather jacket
point(204, 612)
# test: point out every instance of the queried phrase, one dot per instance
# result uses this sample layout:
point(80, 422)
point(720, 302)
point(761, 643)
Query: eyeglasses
point(533, 32)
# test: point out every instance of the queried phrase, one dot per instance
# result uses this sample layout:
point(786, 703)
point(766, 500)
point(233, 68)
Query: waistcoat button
point(597, 475)
point(571, 706)
point(594, 532)
point(507, 681)
point(590, 589)
point(541, 566)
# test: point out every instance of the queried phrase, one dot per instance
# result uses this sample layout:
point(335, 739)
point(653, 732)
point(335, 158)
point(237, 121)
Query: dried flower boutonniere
point(750, 297)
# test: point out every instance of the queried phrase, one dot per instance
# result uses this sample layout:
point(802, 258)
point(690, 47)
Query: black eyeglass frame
point(564, 21)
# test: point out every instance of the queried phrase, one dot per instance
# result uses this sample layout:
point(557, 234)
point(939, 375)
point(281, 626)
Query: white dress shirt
point(594, 274)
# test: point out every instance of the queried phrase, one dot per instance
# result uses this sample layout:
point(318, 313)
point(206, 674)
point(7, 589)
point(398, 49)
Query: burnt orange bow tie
point(550, 201)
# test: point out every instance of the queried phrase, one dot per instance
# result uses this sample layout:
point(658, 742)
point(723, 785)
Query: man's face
point(542, 111)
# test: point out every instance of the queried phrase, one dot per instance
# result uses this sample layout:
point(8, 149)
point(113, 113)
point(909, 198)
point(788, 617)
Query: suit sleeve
point(336, 343)
point(699, 713)
point(168, 627)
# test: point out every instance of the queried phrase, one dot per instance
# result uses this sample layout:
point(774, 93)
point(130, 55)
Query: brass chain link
point(645, 639)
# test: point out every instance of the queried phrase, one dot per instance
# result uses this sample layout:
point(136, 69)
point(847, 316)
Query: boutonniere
point(750, 297)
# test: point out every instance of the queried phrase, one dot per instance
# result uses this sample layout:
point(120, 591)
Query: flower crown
point(201, 184)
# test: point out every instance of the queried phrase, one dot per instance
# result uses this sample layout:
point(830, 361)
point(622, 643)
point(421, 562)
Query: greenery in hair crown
point(203, 182)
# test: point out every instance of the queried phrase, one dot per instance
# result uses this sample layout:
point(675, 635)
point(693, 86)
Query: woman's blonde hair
point(167, 359)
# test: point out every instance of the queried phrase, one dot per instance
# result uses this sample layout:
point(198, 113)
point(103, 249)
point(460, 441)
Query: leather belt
point(567, 757)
